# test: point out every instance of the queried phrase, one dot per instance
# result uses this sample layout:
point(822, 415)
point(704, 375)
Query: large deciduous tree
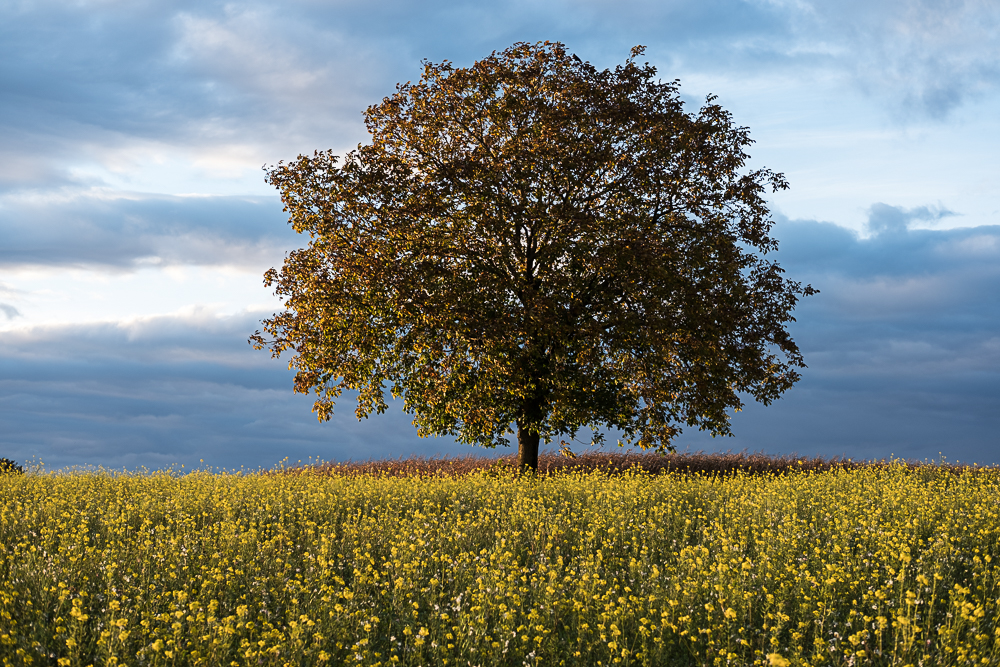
point(534, 243)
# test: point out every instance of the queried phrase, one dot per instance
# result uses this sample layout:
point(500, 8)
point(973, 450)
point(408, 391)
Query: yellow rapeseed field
point(882, 566)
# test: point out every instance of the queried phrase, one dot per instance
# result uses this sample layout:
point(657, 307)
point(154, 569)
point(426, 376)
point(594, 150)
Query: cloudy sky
point(135, 223)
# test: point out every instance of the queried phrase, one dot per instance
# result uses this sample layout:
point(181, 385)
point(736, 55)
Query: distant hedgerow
point(612, 463)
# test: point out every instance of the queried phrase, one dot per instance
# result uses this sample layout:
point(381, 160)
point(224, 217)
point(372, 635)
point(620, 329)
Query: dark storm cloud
point(120, 232)
point(902, 343)
point(172, 390)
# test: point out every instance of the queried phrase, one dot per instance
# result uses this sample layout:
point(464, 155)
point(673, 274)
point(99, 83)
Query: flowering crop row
point(882, 566)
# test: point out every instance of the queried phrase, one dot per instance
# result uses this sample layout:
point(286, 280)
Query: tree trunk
point(527, 432)
point(527, 448)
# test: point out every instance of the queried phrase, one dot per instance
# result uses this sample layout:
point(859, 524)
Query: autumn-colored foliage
point(531, 244)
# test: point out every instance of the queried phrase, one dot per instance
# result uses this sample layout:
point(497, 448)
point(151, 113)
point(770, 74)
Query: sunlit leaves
point(533, 243)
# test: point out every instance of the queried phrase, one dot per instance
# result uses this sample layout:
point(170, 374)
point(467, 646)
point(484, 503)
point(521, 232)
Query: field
point(802, 563)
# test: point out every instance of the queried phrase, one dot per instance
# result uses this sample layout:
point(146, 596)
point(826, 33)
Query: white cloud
point(923, 58)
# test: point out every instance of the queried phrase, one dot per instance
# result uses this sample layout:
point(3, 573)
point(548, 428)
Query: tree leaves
point(533, 241)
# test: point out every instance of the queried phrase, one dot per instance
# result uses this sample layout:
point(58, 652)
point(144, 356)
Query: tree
point(532, 241)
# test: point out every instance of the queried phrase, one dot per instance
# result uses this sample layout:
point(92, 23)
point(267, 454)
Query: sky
point(135, 223)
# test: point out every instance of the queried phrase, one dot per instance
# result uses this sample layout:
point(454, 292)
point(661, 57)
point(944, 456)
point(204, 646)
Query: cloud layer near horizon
point(170, 390)
point(902, 345)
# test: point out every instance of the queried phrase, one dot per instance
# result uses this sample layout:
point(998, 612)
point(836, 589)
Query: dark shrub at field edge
point(8, 466)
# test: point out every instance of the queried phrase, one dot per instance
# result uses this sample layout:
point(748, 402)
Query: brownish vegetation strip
point(610, 462)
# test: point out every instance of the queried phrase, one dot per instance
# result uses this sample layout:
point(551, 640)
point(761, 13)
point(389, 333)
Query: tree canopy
point(532, 243)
